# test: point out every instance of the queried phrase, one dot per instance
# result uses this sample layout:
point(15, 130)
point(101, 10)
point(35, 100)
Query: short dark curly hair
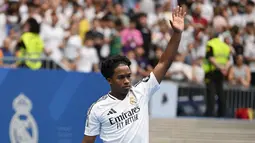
point(108, 65)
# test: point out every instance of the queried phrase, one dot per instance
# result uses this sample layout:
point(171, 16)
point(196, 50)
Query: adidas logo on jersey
point(112, 111)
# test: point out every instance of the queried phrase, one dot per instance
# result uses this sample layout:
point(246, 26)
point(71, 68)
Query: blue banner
point(46, 106)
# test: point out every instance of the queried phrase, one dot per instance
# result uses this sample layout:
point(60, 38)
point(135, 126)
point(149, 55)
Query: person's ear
point(109, 80)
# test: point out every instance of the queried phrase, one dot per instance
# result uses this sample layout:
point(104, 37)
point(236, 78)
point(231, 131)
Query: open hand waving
point(177, 22)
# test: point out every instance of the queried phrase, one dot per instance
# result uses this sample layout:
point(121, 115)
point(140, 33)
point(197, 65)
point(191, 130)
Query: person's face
point(159, 52)
point(24, 1)
point(74, 28)
point(197, 11)
point(88, 2)
point(118, 9)
point(237, 39)
point(64, 2)
point(239, 60)
point(249, 8)
point(54, 19)
point(132, 25)
point(89, 43)
point(131, 55)
point(233, 8)
point(139, 51)
point(13, 34)
point(249, 29)
point(121, 79)
point(96, 24)
point(37, 2)
point(26, 27)
point(143, 20)
point(44, 7)
point(7, 43)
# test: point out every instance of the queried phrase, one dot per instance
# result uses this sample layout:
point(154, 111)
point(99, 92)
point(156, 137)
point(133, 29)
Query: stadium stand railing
point(48, 63)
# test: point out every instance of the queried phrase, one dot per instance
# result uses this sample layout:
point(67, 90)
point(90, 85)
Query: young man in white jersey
point(122, 116)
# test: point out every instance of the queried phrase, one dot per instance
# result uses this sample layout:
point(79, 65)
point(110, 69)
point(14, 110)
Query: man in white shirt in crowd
point(88, 59)
point(121, 116)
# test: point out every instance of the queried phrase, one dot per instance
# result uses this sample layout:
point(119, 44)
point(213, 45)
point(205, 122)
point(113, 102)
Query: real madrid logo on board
point(23, 127)
point(132, 99)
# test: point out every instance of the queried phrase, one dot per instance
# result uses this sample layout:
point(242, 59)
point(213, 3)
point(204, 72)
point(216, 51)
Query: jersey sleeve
point(148, 85)
point(92, 125)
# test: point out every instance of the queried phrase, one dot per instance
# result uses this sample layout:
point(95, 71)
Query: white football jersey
point(123, 121)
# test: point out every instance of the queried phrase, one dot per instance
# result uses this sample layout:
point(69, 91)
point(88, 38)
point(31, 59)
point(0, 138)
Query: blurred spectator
point(89, 10)
point(249, 53)
point(235, 18)
point(32, 11)
point(239, 74)
point(142, 26)
point(96, 33)
point(161, 37)
point(249, 36)
point(115, 44)
point(6, 53)
point(12, 15)
point(219, 21)
point(179, 71)
point(154, 17)
point(107, 32)
point(131, 37)
point(73, 43)
point(144, 67)
point(130, 5)
point(198, 73)
point(84, 26)
point(187, 35)
point(3, 22)
point(249, 16)
point(119, 14)
point(65, 8)
point(198, 19)
point(88, 59)
point(206, 9)
point(158, 52)
point(196, 49)
point(23, 9)
point(134, 65)
point(14, 37)
point(30, 46)
point(146, 6)
point(51, 13)
point(53, 36)
point(238, 45)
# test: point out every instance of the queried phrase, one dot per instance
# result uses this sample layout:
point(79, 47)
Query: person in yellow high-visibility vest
point(30, 46)
point(216, 64)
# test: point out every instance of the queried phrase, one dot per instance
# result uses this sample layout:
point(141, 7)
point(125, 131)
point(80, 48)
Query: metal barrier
point(193, 95)
point(48, 63)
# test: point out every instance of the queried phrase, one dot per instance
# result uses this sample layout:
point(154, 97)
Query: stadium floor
point(201, 130)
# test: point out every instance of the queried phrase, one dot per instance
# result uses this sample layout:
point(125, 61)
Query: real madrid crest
point(132, 99)
point(23, 130)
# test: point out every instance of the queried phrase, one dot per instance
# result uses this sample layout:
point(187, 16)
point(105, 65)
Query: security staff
point(30, 46)
point(216, 65)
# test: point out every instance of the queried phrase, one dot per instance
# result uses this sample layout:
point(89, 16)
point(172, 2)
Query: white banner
point(163, 103)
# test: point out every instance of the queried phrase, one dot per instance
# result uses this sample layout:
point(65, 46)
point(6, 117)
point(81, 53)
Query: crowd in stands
point(78, 34)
